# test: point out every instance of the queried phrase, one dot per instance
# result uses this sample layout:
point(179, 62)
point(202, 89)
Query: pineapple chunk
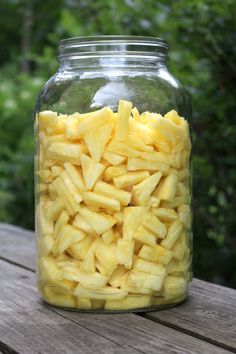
point(124, 252)
point(122, 148)
point(165, 214)
point(72, 124)
point(63, 286)
point(107, 255)
point(68, 236)
point(107, 293)
point(113, 159)
point(44, 224)
point(45, 175)
point(52, 191)
point(100, 201)
point(132, 219)
point(98, 304)
point(60, 222)
point(129, 302)
point(156, 254)
point(62, 300)
point(108, 236)
point(49, 270)
point(185, 215)
point(173, 287)
point(46, 245)
point(173, 160)
point(166, 190)
point(137, 291)
point(84, 303)
point(80, 249)
point(100, 222)
point(114, 171)
point(154, 225)
point(184, 174)
point(65, 152)
point(56, 171)
point(54, 209)
point(119, 218)
point(94, 120)
point(83, 225)
point(96, 140)
point(153, 202)
point(88, 264)
point(129, 179)
point(142, 132)
point(51, 122)
point(118, 277)
point(145, 236)
point(149, 267)
point(138, 279)
point(178, 201)
point(135, 164)
point(124, 112)
point(91, 169)
point(142, 191)
point(75, 175)
point(180, 247)
point(173, 233)
point(110, 191)
point(89, 280)
point(66, 196)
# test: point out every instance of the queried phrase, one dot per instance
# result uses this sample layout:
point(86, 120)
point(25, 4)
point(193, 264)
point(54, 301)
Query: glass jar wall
point(113, 216)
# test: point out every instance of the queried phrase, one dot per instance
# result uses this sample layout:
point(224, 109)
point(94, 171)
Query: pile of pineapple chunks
point(113, 214)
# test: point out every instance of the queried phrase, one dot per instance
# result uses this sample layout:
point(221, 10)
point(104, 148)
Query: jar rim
point(112, 45)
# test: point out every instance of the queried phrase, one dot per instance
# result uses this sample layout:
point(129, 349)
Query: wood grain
point(27, 326)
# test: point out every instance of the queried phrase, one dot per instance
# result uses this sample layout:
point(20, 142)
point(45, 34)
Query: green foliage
point(201, 35)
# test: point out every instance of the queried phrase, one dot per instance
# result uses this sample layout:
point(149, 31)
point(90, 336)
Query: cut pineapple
point(124, 112)
point(129, 302)
point(75, 175)
point(51, 122)
point(82, 224)
point(44, 224)
point(135, 164)
point(101, 294)
point(142, 191)
point(108, 236)
point(84, 303)
point(145, 280)
point(68, 236)
point(94, 120)
point(71, 187)
point(92, 170)
point(49, 270)
point(65, 152)
point(173, 287)
point(172, 234)
point(46, 245)
point(100, 201)
point(60, 222)
point(154, 225)
point(143, 265)
point(114, 171)
point(165, 214)
point(80, 249)
point(100, 222)
point(180, 247)
point(62, 300)
point(125, 250)
point(156, 254)
point(145, 236)
point(166, 190)
point(110, 191)
point(185, 215)
point(66, 196)
point(118, 277)
point(88, 264)
point(130, 179)
point(113, 159)
point(107, 255)
point(89, 280)
point(96, 140)
point(133, 217)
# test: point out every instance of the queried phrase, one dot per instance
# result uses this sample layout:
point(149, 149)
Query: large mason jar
point(112, 169)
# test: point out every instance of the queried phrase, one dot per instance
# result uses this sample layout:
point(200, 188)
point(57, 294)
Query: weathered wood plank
point(26, 326)
point(209, 312)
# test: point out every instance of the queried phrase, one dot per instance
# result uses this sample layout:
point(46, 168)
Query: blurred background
point(202, 39)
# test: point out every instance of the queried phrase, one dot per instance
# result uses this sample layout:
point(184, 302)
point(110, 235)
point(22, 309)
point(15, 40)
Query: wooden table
point(204, 324)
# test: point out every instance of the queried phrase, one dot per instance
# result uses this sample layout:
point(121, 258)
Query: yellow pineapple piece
point(68, 236)
point(145, 280)
point(49, 270)
point(153, 202)
point(143, 265)
point(94, 280)
point(52, 191)
point(136, 114)
point(88, 264)
point(182, 190)
point(46, 245)
point(84, 303)
point(96, 140)
point(107, 255)
point(60, 222)
point(180, 247)
point(108, 236)
point(166, 190)
point(156, 254)
point(45, 175)
point(145, 236)
point(154, 225)
point(63, 286)
point(173, 287)
point(80, 249)
point(91, 169)
point(173, 160)
point(114, 171)
point(118, 217)
point(101, 294)
point(132, 219)
point(175, 203)
point(56, 171)
point(100, 222)
point(43, 223)
point(62, 300)
point(185, 215)
point(94, 199)
point(165, 214)
point(130, 179)
point(83, 225)
point(142, 191)
point(42, 188)
point(135, 163)
point(65, 152)
point(122, 148)
point(72, 124)
point(143, 132)
point(75, 176)
point(122, 127)
point(184, 174)
point(94, 120)
point(113, 159)
point(110, 191)
point(129, 302)
point(173, 233)
point(54, 209)
point(66, 196)
point(124, 252)
point(118, 277)
point(51, 122)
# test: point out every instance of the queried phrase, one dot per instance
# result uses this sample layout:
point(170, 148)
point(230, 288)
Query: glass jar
point(112, 178)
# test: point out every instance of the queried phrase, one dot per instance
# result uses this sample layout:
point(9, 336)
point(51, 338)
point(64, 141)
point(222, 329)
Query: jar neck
point(109, 52)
